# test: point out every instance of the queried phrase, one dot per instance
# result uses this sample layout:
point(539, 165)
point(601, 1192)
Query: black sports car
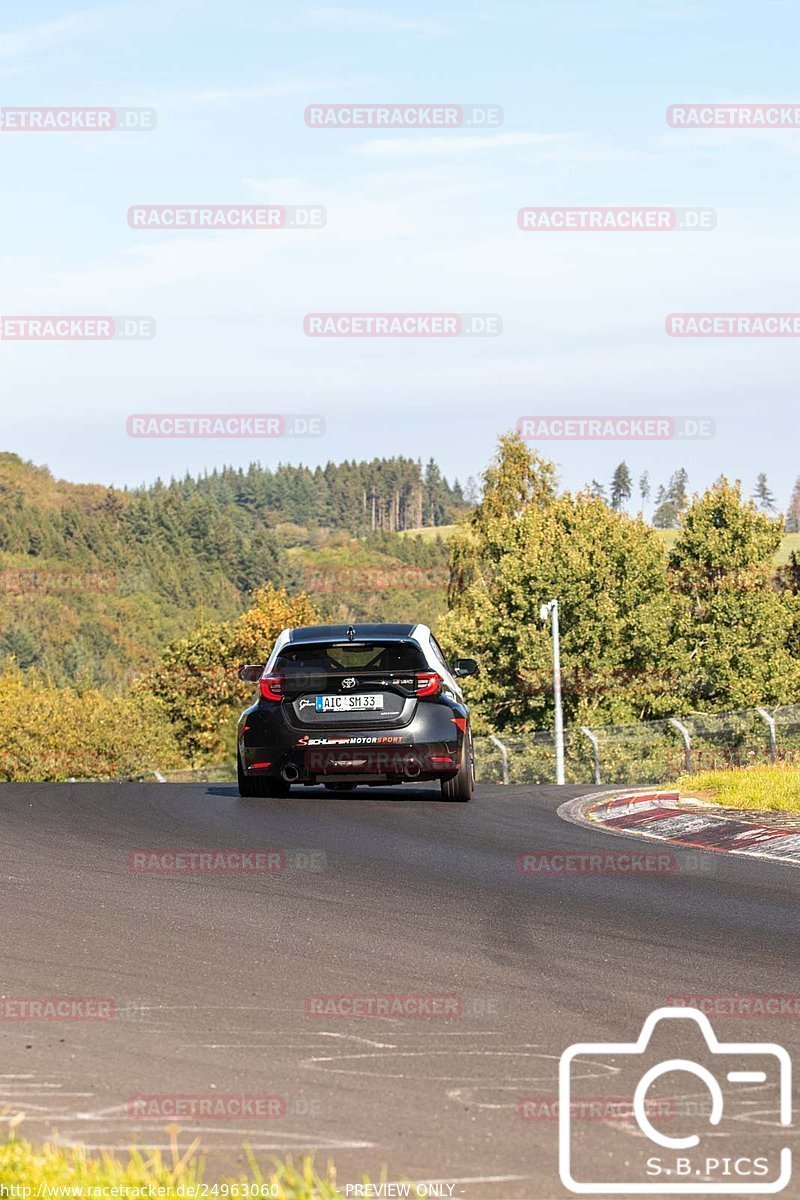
point(346, 705)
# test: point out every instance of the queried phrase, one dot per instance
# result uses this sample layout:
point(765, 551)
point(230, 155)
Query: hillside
point(95, 581)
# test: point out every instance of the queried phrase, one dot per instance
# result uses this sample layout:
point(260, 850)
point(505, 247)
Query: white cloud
point(35, 38)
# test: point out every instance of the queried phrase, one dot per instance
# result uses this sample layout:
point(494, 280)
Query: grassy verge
point(774, 787)
point(146, 1174)
point(789, 542)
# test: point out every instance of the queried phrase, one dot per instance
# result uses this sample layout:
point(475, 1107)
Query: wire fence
point(650, 752)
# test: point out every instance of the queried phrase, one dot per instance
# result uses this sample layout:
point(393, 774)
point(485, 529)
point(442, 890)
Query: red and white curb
point(665, 817)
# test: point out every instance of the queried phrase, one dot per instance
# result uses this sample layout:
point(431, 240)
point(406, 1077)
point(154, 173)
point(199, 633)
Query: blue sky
point(417, 221)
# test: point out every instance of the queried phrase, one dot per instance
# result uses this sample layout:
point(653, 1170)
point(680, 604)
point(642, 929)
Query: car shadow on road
point(402, 794)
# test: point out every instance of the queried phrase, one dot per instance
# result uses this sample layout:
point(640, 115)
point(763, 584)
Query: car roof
point(340, 633)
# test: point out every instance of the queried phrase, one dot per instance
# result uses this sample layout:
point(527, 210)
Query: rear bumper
point(428, 748)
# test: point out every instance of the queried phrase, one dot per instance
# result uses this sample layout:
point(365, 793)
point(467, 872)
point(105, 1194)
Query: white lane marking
point(52, 1086)
point(288, 1141)
point(352, 1037)
point(331, 1063)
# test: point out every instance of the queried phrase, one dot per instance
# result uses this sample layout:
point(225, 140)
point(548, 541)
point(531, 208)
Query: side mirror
point(251, 674)
point(465, 666)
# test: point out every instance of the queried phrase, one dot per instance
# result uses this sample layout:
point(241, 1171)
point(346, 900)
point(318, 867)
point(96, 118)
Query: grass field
point(429, 532)
point(765, 788)
point(790, 542)
point(145, 1172)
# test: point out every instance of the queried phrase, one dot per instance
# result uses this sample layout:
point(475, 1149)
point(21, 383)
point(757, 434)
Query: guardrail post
point(596, 748)
point(503, 752)
point(687, 742)
point(769, 721)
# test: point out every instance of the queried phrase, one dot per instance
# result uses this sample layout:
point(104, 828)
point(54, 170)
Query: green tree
point(762, 495)
point(644, 487)
point(197, 678)
point(516, 479)
point(671, 501)
point(608, 573)
point(793, 511)
point(729, 620)
point(21, 645)
point(621, 487)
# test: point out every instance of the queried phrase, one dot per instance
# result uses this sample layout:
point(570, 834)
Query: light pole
point(551, 610)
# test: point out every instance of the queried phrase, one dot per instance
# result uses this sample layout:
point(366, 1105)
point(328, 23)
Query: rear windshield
point(350, 656)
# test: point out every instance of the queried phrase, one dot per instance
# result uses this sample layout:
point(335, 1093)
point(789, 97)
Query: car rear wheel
point(250, 786)
point(461, 785)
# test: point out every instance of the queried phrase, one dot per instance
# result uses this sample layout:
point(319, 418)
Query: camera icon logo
point(733, 1102)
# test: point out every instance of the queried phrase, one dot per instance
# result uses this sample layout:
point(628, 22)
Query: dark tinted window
point(351, 656)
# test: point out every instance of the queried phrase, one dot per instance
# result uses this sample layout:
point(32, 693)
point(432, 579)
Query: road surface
point(210, 973)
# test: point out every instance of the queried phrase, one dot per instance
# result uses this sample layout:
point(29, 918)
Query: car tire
point(264, 788)
point(461, 785)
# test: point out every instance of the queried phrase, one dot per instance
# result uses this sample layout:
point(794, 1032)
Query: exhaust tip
point(290, 773)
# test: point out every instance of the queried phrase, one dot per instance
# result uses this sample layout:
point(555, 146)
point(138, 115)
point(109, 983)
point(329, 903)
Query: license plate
point(362, 702)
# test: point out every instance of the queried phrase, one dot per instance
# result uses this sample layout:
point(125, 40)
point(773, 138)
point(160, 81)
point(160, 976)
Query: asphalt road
point(209, 973)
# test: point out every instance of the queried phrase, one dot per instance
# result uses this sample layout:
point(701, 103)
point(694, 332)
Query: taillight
point(271, 687)
point(428, 683)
